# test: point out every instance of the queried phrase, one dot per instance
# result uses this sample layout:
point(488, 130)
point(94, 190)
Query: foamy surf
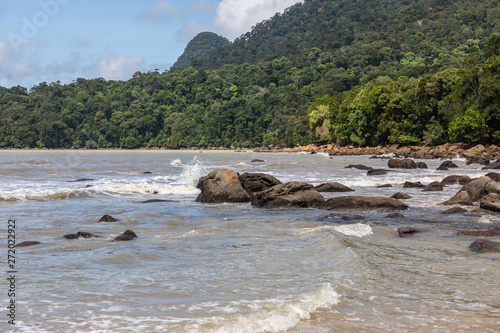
point(356, 229)
point(274, 316)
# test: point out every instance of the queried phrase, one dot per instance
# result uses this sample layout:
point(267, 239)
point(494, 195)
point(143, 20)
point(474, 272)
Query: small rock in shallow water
point(107, 218)
point(484, 246)
point(79, 234)
point(28, 243)
point(395, 216)
point(408, 231)
point(455, 210)
point(401, 196)
point(480, 233)
point(126, 236)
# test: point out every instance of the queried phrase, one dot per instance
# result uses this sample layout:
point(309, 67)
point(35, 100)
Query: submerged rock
point(480, 233)
point(377, 172)
point(222, 185)
point(484, 246)
point(352, 203)
point(28, 243)
point(256, 160)
point(405, 232)
point(358, 166)
point(156, 200)
point(455, 210)
point(82, 234)
point(333, 187)
point(293, 194)
point(395, 216)
point(126, 236)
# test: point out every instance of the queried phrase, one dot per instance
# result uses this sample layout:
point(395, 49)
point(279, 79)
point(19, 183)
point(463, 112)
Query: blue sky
point(62, 40)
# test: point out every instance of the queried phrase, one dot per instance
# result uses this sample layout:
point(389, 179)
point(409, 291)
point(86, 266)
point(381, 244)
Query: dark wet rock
point(377, 172)
point(384, 186)
point(350, 203)
point(257, 182)
point(461, 198)
point(345, 217)
point(421, 165)
point(256, 160)
point(82, 234)
point(107, 218)
point(157, 200)
point(450, 180)
point(401, 196)
point(434, 186)
point(28, 243)
point(490, 202)
point(222, 185)
point(442, 168)
point(395, 215)
point(405, 232)
point(402, 164)
point(494, 176)
point(147, 173)
point(358, 166)
point(333, 187)
point(81, 180)
point(484, 246)
point(480, 233)
point(413, 185)
point(477, 160)
point(492, 166)
point(292, 194)
point(455, 210)
point(448, 165)
point(126, 236)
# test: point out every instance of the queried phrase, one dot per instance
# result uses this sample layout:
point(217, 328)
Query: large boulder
point(294, 194)
point(491, 201)
point(333, 187)
point(402, 164)
point(356, 203)
point(222, 185)
point(474, 190)
point(257, 182)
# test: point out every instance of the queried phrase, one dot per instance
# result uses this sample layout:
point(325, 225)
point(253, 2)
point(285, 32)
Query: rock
point(492, 166)
point(257, 182)
point(395, 216)
point(402, 164)
point(471, 192)
point(442, 168)
point(107, 218)
point(28, 243)
point(358, 166)
point(294, 194)
point(401, 196)
point(484, 246)
point(480, 233)
point(256, 160)
point(156, 200)
point(450, 180)
point(477, 160)
point(222, 185)
point(455, 210)
point(405, 232)
point(349, 203)
point(448, 165)
point(434, 186)
point(345, 217)
point(494, 176)
point(413, 185)
point(490, 202)
point(81, 180)
point(147, 173)
point(79, 234)
point(377, 172)
point(461, 198)
point(126, 236)
point(421, 165)
point(333, 187)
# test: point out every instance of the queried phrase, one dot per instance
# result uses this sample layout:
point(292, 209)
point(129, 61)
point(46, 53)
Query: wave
point(274, 316)
point(355, 229)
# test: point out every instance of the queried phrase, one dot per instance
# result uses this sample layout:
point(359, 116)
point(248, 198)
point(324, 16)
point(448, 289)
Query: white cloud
point(161, 12)
point(236, 17)
point(188, 31)
point(119, 66)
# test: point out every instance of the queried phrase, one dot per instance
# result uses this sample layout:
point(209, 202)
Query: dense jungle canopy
point(361, 72)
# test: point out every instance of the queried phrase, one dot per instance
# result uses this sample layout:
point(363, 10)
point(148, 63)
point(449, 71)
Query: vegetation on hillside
point(360, 72)
point(199, 48)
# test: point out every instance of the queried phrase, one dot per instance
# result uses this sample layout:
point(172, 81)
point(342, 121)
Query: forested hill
point(361, 72)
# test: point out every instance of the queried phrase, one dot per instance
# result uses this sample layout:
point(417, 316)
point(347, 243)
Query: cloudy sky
point(62, 40)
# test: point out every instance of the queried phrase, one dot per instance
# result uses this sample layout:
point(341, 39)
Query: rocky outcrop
point(257, 182)
point(28, 243)
point(477, 190)
point(107, 218)
point(401, 196)
point(491, 202)
point(126, 236)
point(451, 180)
point(333, 187)
point(79, 234)
point(222, 185)
point(484, 246)
point(292, 194)
point(434, 186)
point(401, 164)
point(356, 203)
point(448, 165)
point(494, 176)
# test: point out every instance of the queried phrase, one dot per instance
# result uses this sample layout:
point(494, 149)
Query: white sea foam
point(176, 163)
point(191, 173)
point(357, 229)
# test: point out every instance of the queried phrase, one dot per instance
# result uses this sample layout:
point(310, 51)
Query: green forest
point(362, 72)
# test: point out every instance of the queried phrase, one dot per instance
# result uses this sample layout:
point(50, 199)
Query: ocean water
point(198, 267)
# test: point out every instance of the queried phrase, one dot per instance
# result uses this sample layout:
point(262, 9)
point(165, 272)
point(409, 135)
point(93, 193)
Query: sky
point(62, 40)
